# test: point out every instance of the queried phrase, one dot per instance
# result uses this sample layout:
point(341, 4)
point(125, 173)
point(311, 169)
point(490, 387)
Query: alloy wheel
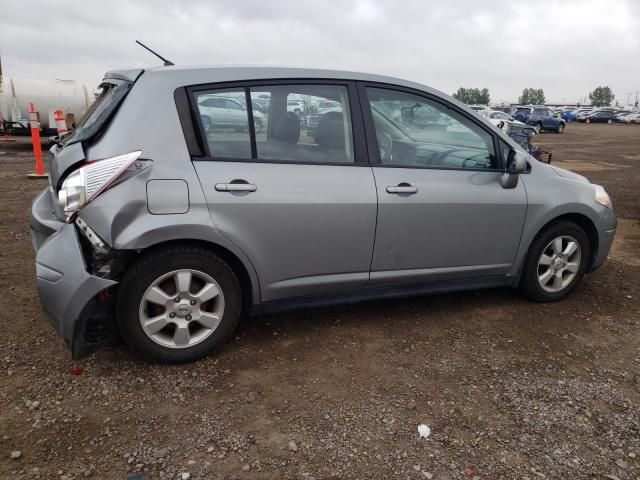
point(559, 263)
point(181, 308)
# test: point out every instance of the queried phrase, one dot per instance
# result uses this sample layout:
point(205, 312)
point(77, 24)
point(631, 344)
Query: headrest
point(286, 128)
point(330, 130)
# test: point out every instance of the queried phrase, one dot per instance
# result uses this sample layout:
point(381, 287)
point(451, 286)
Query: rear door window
point(303, 123)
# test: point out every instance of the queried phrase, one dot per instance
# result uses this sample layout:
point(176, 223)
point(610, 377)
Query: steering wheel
point(385, 143)
point(438, 158)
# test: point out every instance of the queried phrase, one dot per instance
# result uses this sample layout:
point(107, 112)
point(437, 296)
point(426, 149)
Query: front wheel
point(178, 303)
point(556, 262)
point(561, 128)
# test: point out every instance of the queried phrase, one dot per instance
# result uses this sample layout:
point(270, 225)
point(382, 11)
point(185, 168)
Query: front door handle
point(402, 188)
point(235, 187)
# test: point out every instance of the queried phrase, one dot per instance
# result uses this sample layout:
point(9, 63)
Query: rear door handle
point(235, 187)
point(402, 188)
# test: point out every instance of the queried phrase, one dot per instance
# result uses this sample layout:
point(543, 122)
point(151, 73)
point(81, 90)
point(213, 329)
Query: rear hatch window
point(111, 93)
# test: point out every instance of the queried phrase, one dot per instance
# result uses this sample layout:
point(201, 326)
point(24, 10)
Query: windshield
point(111, 93)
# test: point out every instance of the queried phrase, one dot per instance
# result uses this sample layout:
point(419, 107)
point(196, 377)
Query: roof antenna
point(167, 63)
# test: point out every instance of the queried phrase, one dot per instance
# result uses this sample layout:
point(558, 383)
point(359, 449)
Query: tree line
point(600, 97)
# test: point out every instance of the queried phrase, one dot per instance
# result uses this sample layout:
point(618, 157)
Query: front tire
point(561, 128)
point(556, 262)
point(178, 303)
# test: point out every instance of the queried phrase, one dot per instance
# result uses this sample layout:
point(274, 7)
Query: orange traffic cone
point(61, 126)
point(34, 122)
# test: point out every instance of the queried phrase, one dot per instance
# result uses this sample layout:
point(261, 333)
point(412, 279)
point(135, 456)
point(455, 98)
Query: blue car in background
point(569, 116)
point(541, 117)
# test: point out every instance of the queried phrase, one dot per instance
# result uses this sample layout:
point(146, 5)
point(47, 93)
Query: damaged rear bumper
point(70, 296)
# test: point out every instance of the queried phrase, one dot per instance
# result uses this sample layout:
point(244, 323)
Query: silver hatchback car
point(163, 224)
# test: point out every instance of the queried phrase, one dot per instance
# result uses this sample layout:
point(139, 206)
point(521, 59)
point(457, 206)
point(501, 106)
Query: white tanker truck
point(72, 97)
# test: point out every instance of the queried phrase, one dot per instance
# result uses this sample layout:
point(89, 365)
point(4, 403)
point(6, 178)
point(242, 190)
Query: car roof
point(194, 75)
point(173, 77)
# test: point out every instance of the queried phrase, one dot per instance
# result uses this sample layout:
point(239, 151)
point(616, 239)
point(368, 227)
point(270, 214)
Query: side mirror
point(516, 164)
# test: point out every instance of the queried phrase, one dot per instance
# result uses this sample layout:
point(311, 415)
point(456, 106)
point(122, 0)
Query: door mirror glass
point(516, 162)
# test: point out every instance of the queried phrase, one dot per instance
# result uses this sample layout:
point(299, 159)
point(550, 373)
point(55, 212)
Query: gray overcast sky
point(566, 47)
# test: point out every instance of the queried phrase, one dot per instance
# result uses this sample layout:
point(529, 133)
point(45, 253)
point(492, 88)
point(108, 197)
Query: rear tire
point(553, 270)
point(539, 125)
point(186, 319)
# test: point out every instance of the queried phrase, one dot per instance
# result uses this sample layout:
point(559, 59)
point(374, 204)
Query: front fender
point(551, 196)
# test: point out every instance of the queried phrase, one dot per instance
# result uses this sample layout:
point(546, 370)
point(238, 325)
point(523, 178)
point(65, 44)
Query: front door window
point(413, 131)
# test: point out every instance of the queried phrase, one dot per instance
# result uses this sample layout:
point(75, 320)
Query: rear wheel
point(539, 125)
point(556, 262)
point(177, 304)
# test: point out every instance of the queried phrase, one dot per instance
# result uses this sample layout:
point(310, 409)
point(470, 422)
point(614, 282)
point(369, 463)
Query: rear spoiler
point(126, 75)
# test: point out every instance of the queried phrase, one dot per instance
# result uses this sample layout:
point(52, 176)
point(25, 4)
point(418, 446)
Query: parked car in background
point(500, 119)
point(545, 119)
point(628, 118)
point(296, 106)
point(521, 113)
point(166, 235)
point(255, 104)
point(327, 105)
point(583, 112)
point(224, 112)
point(19, 128)
point(263, 101)
point(322, 108)
point(598, 116)
point(568, 116)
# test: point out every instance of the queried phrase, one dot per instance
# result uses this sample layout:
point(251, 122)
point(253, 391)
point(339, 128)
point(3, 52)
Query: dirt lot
point(510, 389)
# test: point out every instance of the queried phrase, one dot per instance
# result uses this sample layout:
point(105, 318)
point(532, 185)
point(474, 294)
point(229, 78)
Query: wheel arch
point(584, 222)
point(248, 283)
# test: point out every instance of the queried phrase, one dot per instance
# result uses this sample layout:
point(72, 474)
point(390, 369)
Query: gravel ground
point(510, 389)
